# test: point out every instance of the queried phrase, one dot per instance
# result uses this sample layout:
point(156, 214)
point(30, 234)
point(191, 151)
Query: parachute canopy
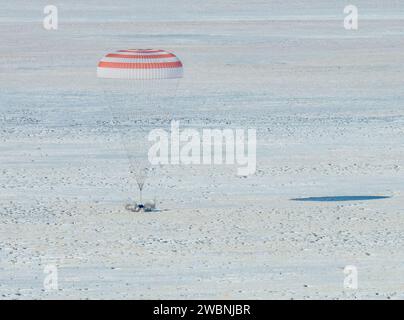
point(140, 64)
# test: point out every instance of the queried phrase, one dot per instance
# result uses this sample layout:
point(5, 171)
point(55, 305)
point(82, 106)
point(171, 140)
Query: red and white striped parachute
point(140, 64)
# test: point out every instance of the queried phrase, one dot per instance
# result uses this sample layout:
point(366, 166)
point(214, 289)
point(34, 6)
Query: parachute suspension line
point(116, 120)
point(140, 185)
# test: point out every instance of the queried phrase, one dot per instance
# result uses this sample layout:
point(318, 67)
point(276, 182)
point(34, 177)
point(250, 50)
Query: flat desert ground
point(328, 107)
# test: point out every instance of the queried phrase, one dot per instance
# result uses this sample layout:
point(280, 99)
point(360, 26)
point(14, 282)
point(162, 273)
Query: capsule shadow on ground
point(341, 198)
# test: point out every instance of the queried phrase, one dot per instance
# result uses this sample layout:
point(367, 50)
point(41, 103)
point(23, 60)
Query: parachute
point(136, 83)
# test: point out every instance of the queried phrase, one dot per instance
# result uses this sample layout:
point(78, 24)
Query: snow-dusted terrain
point(328, 107)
